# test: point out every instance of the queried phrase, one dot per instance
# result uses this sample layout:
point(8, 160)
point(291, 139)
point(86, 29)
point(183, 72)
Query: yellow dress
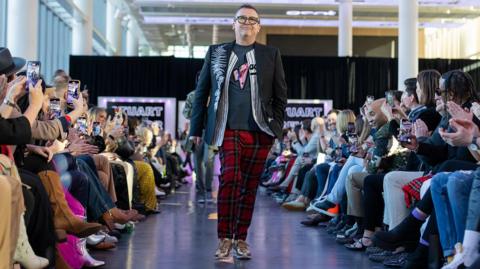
point(146, 181)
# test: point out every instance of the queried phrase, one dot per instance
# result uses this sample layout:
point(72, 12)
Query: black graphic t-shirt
point(240, 114)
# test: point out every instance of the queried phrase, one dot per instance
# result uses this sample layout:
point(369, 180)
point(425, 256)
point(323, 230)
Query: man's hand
point(465, 130)
point(413, 145)
point(42, 151)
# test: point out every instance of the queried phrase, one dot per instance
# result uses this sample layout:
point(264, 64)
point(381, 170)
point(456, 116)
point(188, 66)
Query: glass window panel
point(3, 23)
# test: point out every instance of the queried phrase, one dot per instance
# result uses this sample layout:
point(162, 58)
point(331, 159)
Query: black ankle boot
point(418, 259)
point(405, 234)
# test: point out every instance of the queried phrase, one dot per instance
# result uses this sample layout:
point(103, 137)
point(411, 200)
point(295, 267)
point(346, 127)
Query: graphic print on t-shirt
point(240, 74)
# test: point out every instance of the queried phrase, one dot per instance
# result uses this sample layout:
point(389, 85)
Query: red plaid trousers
point(243, 155)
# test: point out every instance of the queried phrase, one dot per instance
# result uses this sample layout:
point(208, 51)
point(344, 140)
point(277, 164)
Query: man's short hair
point(246, 6)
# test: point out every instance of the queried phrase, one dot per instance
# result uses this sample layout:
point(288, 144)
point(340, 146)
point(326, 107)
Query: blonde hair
point(93, 113)
point(344, 117)
point(145, 134)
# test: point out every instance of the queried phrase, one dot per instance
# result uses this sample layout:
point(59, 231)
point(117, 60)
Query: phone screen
point(82, 125)
point(54, 107)
point(73, 91)
point(33, 73)
point(118, 118)
point(96, 130)
point(405, 131)
point(389, 97)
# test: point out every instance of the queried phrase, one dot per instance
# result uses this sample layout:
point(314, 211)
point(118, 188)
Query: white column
point(22, 32)
point(132, 38)
point(114, 28)
point(408, 41)
point(188, 33)
point(215, 31)
point(345, 18)
point(82, 30)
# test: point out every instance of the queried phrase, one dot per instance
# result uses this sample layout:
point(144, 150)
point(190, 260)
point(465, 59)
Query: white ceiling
point(163, 21)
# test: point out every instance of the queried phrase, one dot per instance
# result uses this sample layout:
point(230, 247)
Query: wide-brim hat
point(10, 65)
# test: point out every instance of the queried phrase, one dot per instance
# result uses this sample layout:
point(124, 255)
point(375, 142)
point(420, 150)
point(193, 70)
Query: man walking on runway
point(242, 91)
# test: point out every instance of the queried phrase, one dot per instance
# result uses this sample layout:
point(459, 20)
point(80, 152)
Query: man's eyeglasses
point(247, 20)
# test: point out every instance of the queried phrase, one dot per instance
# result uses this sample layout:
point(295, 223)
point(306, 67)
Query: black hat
point(10, 65)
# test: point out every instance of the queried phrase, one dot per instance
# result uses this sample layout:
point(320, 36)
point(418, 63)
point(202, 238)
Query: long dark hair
point(460, 86)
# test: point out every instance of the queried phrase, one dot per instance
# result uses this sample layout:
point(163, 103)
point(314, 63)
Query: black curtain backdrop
point(347, 81)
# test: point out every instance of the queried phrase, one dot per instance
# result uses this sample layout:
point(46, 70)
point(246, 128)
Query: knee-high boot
point(63, 216)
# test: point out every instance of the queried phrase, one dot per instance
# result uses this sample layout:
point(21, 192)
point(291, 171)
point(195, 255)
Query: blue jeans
point(352, 165)
point(450, 193)
point(321, 172)
point(79, 176)
point(473, 217)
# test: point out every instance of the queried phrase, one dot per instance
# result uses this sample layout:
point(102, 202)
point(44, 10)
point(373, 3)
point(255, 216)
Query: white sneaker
point(159, 192)
point(458, 259)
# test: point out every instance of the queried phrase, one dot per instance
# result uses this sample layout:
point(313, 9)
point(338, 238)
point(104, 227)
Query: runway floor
point(184, 236)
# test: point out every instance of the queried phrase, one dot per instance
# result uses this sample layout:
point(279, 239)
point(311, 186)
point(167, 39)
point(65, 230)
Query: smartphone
point(370, 99)
point(82, 125)
point(54, 108)
point(96, 130)
point(405, 133)
point(33, 73)
point(389, 97)
point(351, 128)
point(118, 117)
point(73, 91)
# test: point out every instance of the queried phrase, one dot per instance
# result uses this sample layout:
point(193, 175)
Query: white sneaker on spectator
point(159, 192)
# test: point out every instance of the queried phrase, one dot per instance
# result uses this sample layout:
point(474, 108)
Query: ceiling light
point(310, 13)
point(306, 13)
point(293, 13)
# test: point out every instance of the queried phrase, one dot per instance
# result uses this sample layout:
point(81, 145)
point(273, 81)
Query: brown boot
point(63, 216)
